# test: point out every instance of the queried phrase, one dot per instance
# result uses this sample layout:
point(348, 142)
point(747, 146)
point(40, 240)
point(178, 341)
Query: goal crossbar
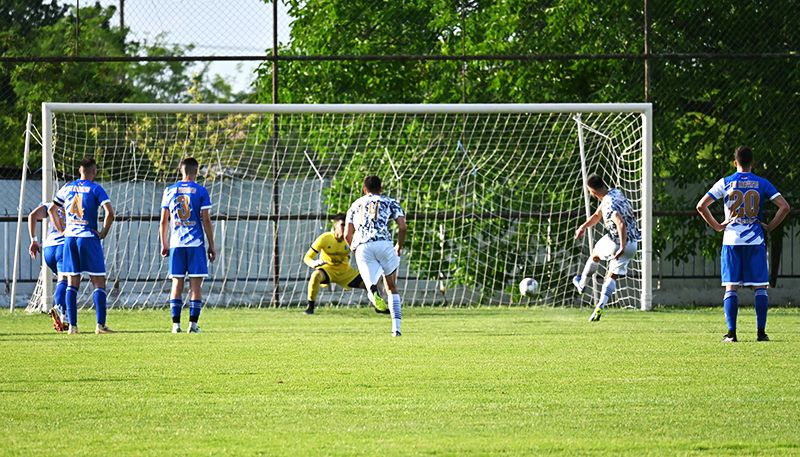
point(643, 143)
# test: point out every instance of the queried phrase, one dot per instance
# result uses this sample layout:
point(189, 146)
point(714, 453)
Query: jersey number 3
point(183, 209)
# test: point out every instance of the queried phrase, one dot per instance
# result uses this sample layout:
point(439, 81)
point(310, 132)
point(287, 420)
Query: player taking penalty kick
point(367, 233)
point(185, 222)
point(618, 246)
point(83, 252)
point(744, 252)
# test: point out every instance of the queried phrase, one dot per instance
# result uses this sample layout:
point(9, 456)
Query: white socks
point(609, 286)
point(588, 271)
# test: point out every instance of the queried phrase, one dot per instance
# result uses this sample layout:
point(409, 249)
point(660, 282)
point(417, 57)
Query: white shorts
point(375, 258)
point(605, 248)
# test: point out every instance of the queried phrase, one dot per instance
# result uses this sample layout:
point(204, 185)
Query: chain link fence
point(718, 74)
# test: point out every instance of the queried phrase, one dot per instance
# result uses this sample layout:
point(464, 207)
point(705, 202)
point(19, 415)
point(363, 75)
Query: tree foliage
point(36, 29)
point(704, 107)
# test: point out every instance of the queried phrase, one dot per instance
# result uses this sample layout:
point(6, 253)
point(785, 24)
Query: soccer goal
point(493, 193)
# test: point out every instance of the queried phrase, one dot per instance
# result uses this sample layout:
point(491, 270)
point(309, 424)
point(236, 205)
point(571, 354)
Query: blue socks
point(60, 299)
point(762, 304)
point(175, 305)
point(100, 305)
point(194, 310)
point(731, 304)
point(71, 300)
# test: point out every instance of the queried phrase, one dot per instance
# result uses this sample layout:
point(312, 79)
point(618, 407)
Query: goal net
point(492, 193)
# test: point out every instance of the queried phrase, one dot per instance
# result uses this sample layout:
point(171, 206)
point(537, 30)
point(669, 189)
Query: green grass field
point(458, 382)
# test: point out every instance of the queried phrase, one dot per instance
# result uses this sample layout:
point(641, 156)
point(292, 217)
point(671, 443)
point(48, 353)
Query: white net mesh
point(490, 197)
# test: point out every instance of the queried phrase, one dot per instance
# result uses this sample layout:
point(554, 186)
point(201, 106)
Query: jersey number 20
point(744, 204)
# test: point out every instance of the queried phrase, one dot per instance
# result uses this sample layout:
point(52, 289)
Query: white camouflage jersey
point(616, 202)
point(370, 215)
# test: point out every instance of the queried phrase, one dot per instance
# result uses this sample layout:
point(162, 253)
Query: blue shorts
point(54, 257)
point(744, 265)
point(83, 255)
point(188, 261)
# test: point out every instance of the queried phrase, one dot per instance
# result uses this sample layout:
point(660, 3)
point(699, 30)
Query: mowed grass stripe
point(460, 381)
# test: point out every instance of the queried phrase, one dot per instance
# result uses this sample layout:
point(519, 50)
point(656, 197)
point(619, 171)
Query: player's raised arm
point(163, 231)
point(33, 218)
point(108, 220)
point(590, 221)
point(783, 211)
point(205, 214)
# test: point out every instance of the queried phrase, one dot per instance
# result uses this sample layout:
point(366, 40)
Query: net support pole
point(47, 195)
point(18, 241)
point(647, 209)
point(587, 199)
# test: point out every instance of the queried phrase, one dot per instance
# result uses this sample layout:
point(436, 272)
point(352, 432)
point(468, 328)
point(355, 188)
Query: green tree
point(704, 107)
point(49, 30)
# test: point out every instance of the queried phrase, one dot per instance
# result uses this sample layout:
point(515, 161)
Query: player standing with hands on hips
point(367, 233)
point(83, 252)
point(744, 251)
point(185, 222)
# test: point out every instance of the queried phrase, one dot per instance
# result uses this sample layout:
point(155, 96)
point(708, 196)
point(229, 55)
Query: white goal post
point(493, 192)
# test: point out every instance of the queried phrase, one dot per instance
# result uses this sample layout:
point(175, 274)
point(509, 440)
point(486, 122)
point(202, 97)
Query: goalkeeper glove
point(318, 263)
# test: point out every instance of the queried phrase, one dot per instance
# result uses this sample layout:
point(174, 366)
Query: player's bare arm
point(209, 229)
point(348, 234)
point(705, 213)
point(780, 215)
point(33, 218)
point(54, 219)
point(590, 221)
point(107, 221)
point(622, 230)
point(163, 232)
point(402, 228)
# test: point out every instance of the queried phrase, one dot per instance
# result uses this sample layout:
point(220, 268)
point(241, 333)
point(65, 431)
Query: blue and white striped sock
point(396, 312)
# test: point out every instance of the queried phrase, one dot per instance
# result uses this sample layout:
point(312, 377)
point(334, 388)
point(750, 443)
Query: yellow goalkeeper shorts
point(342, 274)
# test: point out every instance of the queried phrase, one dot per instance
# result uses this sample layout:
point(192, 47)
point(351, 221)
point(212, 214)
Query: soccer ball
point(528, 287)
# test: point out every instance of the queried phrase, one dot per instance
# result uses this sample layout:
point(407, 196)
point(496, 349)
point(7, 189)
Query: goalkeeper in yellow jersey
point(333, 264)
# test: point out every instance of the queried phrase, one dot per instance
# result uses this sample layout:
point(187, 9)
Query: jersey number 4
point(76, 207)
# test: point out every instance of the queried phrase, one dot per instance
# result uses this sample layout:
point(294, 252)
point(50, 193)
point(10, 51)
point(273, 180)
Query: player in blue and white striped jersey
point(83, 253)
point(185, 213)
point(367, 233)
point(618, 246)
point(744, 252)
point(52, 253)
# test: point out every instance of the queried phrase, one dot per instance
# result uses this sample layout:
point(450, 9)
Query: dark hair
point(373, 184)
point(595, 181)
point(88, 162)
point(743, 156)
point(338, 217)
point(190, 165)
